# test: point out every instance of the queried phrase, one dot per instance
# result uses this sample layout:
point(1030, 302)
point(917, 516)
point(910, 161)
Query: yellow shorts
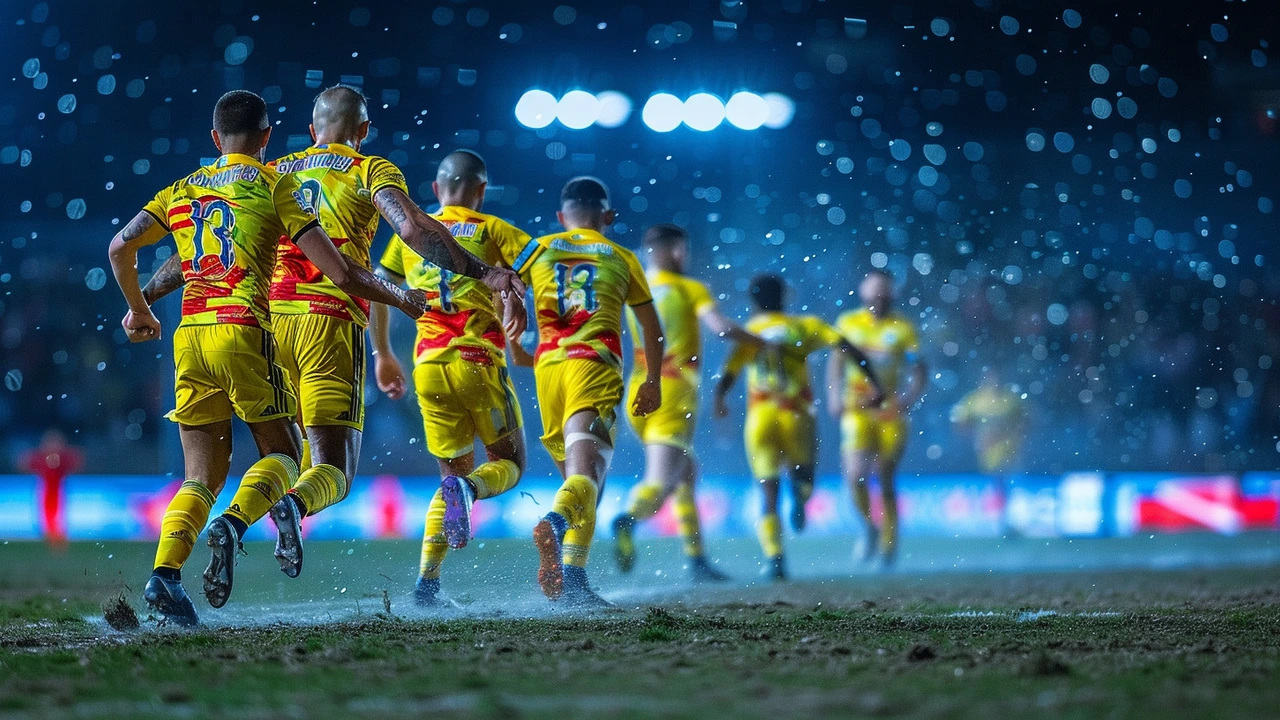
point(673, 423)
point(323, 357)
point(569, 387)
point(225, 369)
point(463, 400)
point(778, 439)
point(874, 431)
point(996, 453)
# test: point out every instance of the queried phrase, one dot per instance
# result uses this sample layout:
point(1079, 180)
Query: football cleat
point(458, 496)
point(218, 577)
point(775, 569)
point(868, 545)
point(887, 561)
point(548, 538)
point(288, 521)
point(578, 594)
point(426, 595)
point(702, 571)
point(624, 542)
point(170, 600)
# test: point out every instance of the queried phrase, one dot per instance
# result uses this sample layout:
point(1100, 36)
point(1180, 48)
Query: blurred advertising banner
point(120, 507)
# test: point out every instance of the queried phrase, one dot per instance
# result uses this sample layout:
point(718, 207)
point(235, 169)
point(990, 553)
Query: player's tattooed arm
point(355, 279)
point(139, 323)
point(165, 280)
point(387, 370)
point(649, 396)
point(433, 241)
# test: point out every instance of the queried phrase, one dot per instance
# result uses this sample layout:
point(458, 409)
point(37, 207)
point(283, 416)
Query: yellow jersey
point(891, 346)
point(779, 373)
point(462, 321)
point(227, 219)
point(581, 280)
point(338, 184)
point(679, 300)
point(994, 411)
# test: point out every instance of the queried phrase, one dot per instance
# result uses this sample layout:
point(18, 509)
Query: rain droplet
point(76, 208)
point(1101, 108)
point(1127, 108)
point(1182, 188)
point(106, 84)
point(31, 68)
point(1035, 141)
point(1063, 142)
point(1009, 25)
point(95, 279)
point(1071, 18)
point(13, 380)
point(1099, 73)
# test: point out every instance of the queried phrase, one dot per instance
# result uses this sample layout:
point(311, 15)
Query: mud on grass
point(1177, 644)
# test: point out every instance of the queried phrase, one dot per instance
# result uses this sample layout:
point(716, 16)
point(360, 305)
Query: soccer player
point(780, 431)
point(226, 219)
point(874, 424)
point(581, 280)
point(667, 435)
point(460, 365)
point(997, 417)
point(319, 329)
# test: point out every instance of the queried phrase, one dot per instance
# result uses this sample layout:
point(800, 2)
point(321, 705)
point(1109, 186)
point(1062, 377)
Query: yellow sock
point(188, 512)
point(769, 531)
point(306, 454)
point(646, 500)
point(262, 487)
point(434, 546)
point(576, 502)
point(320, 487)
point(687, 518)
point(494, 478)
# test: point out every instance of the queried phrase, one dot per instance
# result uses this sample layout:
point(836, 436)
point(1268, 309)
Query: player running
point(226, 219)
point(996, 416)
point(667, 435)
point(874, 424)
point(581, 280)
point(460, 365)
point(780, 430)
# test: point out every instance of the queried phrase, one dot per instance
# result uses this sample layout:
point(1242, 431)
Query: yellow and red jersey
point(227, 219)
point(581, 280)
point(338, 183)
point(462, 321)
point(679, 301)
point(890, 344)
point(779, 372)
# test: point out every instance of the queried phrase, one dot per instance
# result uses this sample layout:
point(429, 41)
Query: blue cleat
point(288, 521)
point(701, 571)
point(458, 497)
point(774, 570)
point(170, 600)
point(218, 577)
point(548, 538)
point(426, 595)
point(578, 593)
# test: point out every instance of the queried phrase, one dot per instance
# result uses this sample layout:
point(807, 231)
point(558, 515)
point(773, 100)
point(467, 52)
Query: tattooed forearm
point(426, 236)
point(165, 280)
point(137, 227)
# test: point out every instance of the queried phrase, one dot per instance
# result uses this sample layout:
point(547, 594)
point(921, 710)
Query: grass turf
point(1085, 634)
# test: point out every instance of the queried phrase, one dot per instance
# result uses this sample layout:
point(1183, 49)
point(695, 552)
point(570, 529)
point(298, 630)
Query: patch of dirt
point(119, 614)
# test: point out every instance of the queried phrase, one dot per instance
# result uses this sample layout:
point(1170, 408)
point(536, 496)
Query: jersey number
point(308, 197)
point(202, 219)
point(576, 287)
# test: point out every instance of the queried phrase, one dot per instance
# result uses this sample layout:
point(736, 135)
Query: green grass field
point(1174, 626)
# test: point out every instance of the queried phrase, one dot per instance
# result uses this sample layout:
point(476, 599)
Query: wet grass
point(1178, 643)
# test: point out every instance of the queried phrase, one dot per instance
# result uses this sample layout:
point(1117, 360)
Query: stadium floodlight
point(578, 109)
point(663, 112)
point(703, 111)
point(781, 110)
point(536, 109)
point(746, 110)
point(615, 108)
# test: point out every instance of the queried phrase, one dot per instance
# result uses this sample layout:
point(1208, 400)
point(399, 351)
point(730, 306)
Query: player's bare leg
point(858, 466)
point(769, 531)
point(206, 452)
point(563, 536)
point(448, 522)
point(886, 473)
point(334, 451)
point(666, 467)
point(280, 445)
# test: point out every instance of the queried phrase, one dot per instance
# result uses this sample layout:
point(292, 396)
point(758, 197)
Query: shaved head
point(461, 170)
point(339, 113)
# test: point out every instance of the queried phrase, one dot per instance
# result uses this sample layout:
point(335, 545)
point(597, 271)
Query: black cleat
point(578, 594)
point(426, 595)
point(624, 542)
point(702, 571)
point(775, 569)
point(170, 600)
point(218, 577)
point(288, 521)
